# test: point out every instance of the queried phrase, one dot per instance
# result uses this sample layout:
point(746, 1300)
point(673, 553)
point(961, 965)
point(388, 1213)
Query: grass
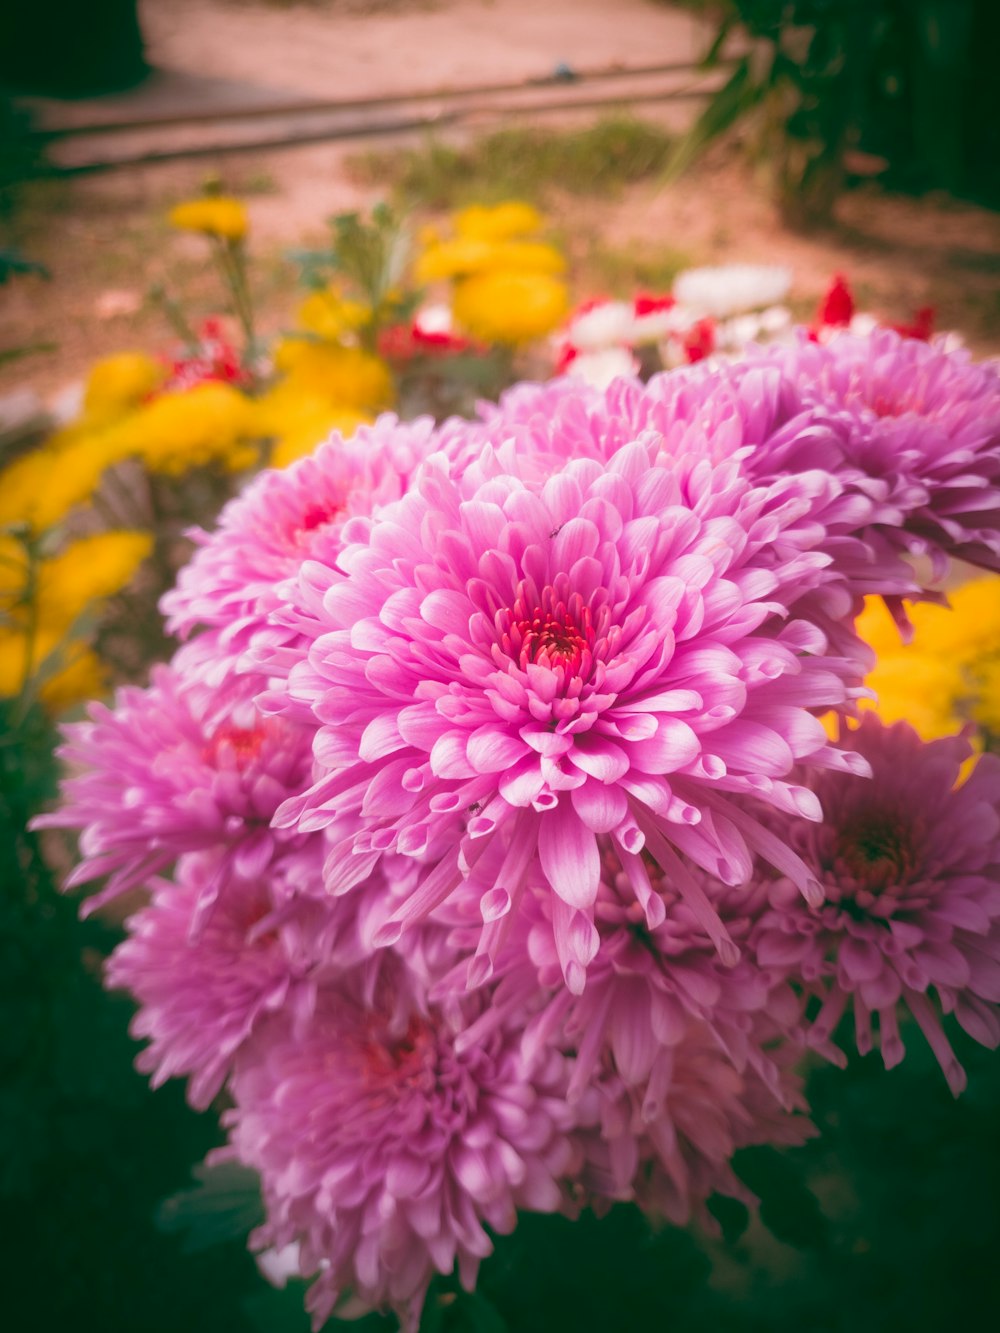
point(603, 268)
point(520, 163)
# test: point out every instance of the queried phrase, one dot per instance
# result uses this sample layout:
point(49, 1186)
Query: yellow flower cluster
point(40, 488)
point(214, 215)
point(506, 284)
point(331, 316)
point(208, 423)
point(327, 381)
point(37, 615)
point(950, 673)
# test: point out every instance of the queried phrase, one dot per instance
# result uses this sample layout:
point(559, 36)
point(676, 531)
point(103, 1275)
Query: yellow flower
point(209, 423)
point(310, 431)
point(510, 306)
point(86, 571)
point(466, 255)
point(78, 673)
point(117, 383)
point(329, 315)
point(500, 223)
point(41, 487)
point(950, 673)
point(453, 259)
point(82, 677)
point(340, 376)
point(215, 215)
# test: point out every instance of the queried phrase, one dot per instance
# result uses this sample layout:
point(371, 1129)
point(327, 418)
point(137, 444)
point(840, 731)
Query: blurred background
point(854, 136)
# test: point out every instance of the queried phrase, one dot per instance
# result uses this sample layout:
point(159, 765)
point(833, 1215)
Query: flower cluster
point(506, 284)
point(497, 852)
point(711, 311)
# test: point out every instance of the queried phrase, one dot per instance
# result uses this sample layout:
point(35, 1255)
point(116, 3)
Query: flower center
point(550, 632)
point(551, 638)
point(398, 1059)
point(244, 743)
point(315, 516)
point(877, 849)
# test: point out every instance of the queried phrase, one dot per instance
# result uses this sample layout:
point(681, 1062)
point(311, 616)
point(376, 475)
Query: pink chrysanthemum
point(202, 994)
point(177, 768)
point(385, 1153)
point(910, 865)
point(750, 412)
point(668, 1141)
point(286, 517)
point(647, 985)
point(601, 653)
point(922, 421)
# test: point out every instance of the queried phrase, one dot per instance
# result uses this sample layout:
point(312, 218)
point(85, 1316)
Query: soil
point(105, 240)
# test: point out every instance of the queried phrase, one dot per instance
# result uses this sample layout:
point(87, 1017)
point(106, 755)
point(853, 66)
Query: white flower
point(775, 319)
point(731, 288)
point(656, 325)
point(609, 324)
point(601, 367)
point(433, 319)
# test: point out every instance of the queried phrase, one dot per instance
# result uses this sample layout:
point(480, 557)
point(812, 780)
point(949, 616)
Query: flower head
point(532, 656)
point(949, 672)
point(284, 518)
point(731, 288)
point(923, 425)
point(174, 768)
point(910, 866)
point(210, 422)
point(667, 1140)
point(499, 222)
point(214, 215)
point(119, 383)
point(510, 305)
point(386, 1153)
point(202, 992)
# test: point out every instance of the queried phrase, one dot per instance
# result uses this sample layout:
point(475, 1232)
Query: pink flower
point(910, 866)
point(667, 1142)
point(174, 768)
point(386, 1154)
point(202, 993)
point(526, 659)
point(284, 518)
point(922, 422)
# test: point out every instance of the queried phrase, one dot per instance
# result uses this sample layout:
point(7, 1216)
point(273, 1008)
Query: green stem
point(232, 263)
point(175, 317)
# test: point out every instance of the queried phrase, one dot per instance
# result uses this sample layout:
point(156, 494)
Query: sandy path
point(332, 51)
point(106, 241)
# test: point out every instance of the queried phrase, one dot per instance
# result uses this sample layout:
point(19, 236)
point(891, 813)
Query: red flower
point(836, 310)
point(699, 340)
point(647, 304)
point(215, 359)
point(922, 326)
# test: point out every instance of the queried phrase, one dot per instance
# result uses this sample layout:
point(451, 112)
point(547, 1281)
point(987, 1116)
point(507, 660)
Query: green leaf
point(733, 100)
point(225, 1204)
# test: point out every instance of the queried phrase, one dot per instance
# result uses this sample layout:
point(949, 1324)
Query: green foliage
point(903, 79)
point(86, 1150)
point(525, 163)
point(369, 259)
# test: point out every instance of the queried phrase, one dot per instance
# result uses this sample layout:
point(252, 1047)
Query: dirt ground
point(105, 240)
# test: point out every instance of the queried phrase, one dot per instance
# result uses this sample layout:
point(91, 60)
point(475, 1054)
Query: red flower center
point(315, 516)
point(552, 638)
point(244, 743)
